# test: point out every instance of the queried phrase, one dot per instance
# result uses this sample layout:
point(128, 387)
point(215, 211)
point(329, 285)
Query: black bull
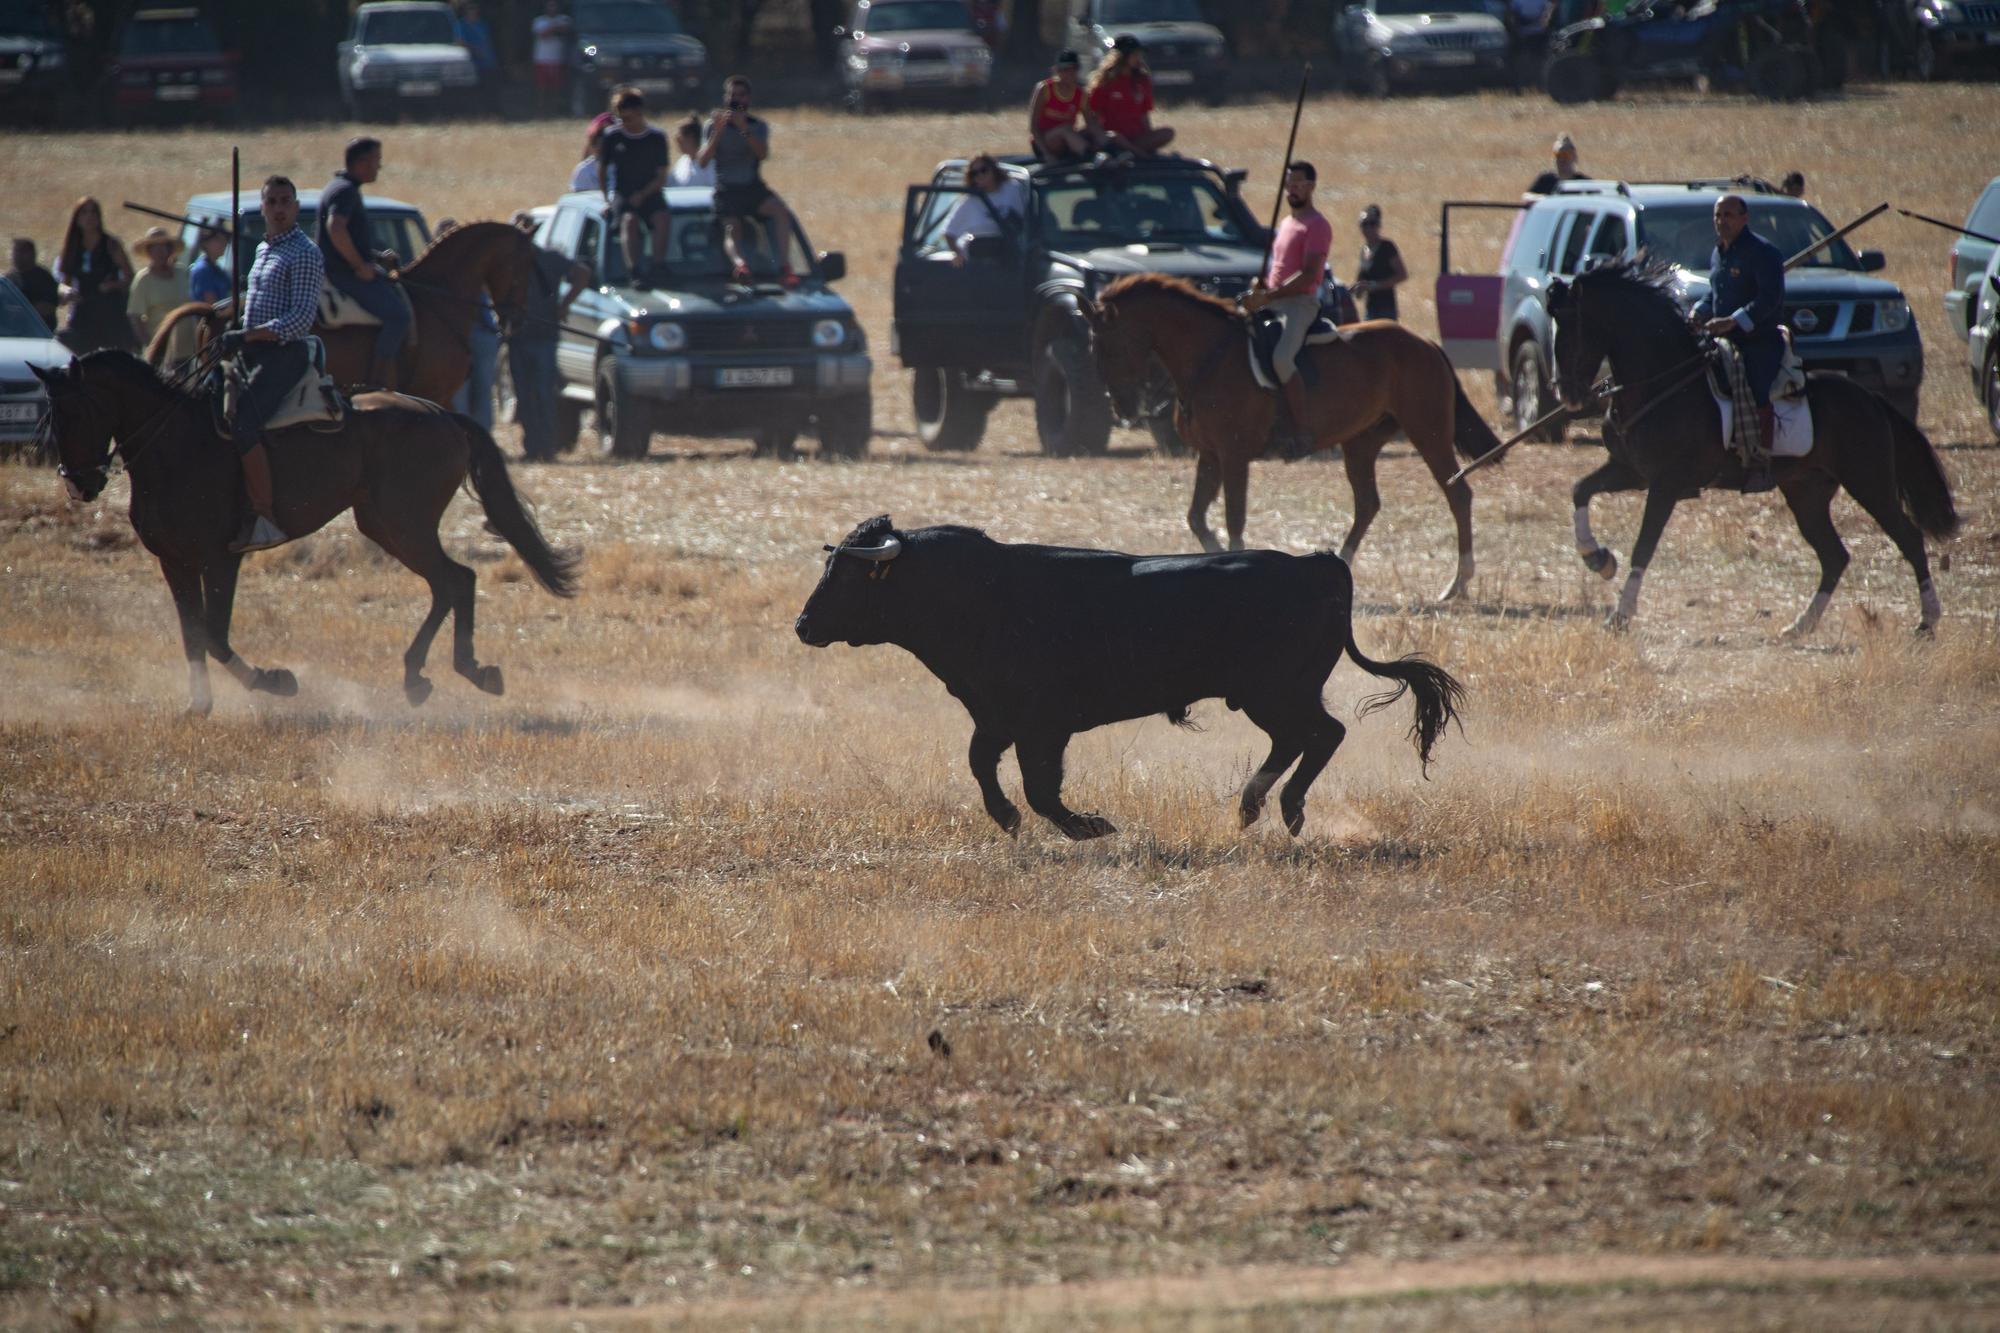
point(1041, 642)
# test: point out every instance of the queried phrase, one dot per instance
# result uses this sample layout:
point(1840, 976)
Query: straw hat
point(157, 235)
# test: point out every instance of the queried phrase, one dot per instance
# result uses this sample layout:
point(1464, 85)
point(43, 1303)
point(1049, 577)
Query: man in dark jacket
point(1745, 302)
point(352, 265)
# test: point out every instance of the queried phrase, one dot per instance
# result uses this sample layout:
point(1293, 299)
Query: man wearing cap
point(1382, 268)
point(1290, 290)
point(1056, 121)
point(157, 292)
point(1120, 104)
point(352, 265)
point(1564, 170)
point(1746, 298)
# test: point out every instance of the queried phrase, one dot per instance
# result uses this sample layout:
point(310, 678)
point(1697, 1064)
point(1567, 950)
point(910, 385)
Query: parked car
point(704, 355)
point(1983, 345)
point(395, 225)
point(1388, 44)
point(1760, 46)
point(636, 42)
point(1006, 324)
point(1931, 38)
point(34, 63)
point(168, 62)
point(1841, 318)
point(1968, 259)
point(904, 49)
point(400, 55)
point(1183, 49)
point(24, 342)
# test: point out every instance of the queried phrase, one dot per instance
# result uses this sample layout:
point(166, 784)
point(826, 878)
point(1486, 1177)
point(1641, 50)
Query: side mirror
point(1873, 261)
point(832, 266)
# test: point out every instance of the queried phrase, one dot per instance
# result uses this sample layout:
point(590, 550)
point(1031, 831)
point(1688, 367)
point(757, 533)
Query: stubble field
point(1669, 1001)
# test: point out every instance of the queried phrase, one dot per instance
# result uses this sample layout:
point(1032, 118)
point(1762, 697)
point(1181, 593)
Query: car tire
point(624, 421)
point(1989, 390)
point(1832, 57)
point(1572, 78)
point(845, 426)
point(1531, 397)
point(1375, 79)
point(1072, 410)
point(951, 418)
point(1166, 438)
point(1782, 74)
point(569, 425)
point(777, 440)
point(1926, 61)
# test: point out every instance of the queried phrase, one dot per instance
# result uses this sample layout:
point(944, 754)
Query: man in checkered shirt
point(279, 306)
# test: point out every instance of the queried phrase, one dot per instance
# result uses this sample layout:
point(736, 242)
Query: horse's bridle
point(85, 484)
point(1611, 389)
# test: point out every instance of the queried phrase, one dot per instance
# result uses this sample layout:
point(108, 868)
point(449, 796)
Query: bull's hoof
point(489, 680)
point(1008, 817)
point(276, 681)
point(1602, 563)
point(1617, 622)
point(1295, 818)
point(1082, 828)
point(417, 689)
point(199, 708)
point(1248, 814)
point(1452, 593)
point(1926, 631)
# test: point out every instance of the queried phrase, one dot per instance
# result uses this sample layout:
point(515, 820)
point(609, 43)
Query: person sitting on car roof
point(687, 171)
point(1121, 101)
point(997, 207)
point(1564, 170)
point(632, 170)
point(1058, 127)
point(737, 145)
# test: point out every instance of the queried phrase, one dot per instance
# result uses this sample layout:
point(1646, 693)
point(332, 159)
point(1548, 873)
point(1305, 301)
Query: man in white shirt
point(688, 171)
point(551, 33)
point(997, 207)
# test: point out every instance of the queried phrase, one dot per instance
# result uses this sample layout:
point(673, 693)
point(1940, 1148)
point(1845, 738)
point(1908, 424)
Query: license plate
point(754, 377)
point(1451, 57)
point(1173, 78)
point(20, 411)
point(927, 74)
point(422, 88)
point(11, 75)
point(176, 92)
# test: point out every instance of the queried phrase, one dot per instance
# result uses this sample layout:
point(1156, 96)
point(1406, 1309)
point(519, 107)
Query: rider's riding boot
point(382, 375)
point(1299, 441)
point(260, 529)
point(1757, 475)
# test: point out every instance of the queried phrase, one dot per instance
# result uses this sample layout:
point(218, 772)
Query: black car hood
point(1182, 261)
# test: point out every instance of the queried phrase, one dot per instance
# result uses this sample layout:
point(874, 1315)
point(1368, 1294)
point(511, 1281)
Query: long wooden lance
point(1284, 169)
point(1951, 226)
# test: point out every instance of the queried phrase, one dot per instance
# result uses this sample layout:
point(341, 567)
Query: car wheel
point(1781, 74)
point(1532, 400)
point(624, 421)
point(1989, 390)
point(950, 417)
point(1572, 78)
point(1072, 410)
point(569, 425)
point(777, 440)
point(846, 425)
point(1926, 62)
point(1165, 437)
point(1375, 79)
point(1832, 56)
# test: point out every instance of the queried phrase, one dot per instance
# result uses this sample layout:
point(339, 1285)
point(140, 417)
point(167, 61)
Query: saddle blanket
point(1263, 341)
point(1793, 420)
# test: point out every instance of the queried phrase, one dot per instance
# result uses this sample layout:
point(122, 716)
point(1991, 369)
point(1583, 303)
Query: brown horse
point(444, 284)
point(1378, 377)
point(397, 463)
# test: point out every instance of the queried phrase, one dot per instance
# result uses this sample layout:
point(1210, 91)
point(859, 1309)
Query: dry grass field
point(1669, 1001)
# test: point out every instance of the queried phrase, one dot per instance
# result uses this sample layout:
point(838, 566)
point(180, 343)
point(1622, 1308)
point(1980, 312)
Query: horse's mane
point(1166, 285)
point(132, 369)
point(448, 240)
point(1645, 277)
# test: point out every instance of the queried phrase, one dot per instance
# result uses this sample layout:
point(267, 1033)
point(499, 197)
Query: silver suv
point(402, 54)
point(1968, 260)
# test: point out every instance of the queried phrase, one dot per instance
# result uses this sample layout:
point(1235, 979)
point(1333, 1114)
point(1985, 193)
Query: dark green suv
point(1005, 323)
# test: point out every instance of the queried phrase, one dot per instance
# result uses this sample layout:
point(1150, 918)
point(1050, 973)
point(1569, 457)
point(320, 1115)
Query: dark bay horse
point(1665, 436)
point(444, 285)
point(396, 463)
point(1380, 376)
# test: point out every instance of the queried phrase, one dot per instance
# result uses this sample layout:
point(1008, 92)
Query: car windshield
point(1152, 11)
point(1685, 233)
point(407, 27)
point(695, 254)
point(25, 18)
point(1129, 208)
point(402, 232)
point(1410, 8)
point(167, 37)
point(623, 17)
point(17, 318)
point(918, 14)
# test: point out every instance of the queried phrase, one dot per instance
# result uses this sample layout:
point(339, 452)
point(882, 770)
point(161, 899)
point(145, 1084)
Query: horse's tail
point(1920, 481)
point(556, 572)
point(1439, 695)
point(1469, 433)
point(156, 350)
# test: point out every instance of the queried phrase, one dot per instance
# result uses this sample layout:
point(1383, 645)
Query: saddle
point(1265, 330)
point(314, 401)
point(338, 310)
point(1791, 413)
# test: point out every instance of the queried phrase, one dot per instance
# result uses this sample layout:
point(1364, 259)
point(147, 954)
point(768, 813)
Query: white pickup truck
point(401, 55)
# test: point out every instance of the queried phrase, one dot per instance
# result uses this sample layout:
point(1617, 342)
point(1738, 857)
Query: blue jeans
point(475, 396)
point(532, 362)
point(1762, 358)
point(380, 299)
point(272, 369)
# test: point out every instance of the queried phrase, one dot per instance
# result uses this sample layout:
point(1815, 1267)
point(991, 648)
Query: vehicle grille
point(14, 388)
point(1864, 318)
point(1452, 41)
point(419, 73)
point(922, 55)
point(759, 336)
point(1822, 320)
point(1980, 14)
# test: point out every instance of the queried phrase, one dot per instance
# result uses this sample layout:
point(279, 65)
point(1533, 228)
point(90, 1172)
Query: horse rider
point(1745, 301)
point(279, 307)
point(353, 266)
point(1290, 290)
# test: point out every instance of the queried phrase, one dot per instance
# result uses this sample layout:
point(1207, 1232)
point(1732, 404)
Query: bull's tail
point(556, 572)
point(1439, 695)
point(1920, 480)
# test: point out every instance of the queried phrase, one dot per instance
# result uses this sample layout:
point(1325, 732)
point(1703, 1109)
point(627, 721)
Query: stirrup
point(1757, 478)
point(260, 534)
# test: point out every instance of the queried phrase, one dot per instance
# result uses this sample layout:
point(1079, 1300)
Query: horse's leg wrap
point(1933, 609)
point(1595, 558)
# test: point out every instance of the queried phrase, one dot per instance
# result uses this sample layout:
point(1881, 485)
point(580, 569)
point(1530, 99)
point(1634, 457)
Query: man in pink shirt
point(1290, 290)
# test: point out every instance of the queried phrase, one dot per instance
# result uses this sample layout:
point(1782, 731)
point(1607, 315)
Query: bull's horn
point(888, 550)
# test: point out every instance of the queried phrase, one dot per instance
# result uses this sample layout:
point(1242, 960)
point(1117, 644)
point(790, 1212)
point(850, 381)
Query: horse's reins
point(129, 449)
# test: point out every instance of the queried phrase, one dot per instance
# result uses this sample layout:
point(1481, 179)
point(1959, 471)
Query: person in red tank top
point(1056, 118)
point(1121, 101)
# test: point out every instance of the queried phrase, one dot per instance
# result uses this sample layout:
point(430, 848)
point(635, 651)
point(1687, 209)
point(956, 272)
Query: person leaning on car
point(531, 348)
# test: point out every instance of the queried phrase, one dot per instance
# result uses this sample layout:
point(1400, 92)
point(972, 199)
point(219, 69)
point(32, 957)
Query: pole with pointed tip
point(1284, 169)
point(235, 246)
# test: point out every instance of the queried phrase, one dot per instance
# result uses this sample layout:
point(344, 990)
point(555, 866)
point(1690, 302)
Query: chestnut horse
point(444, 284)
point(1377, 377)
point(397, 463)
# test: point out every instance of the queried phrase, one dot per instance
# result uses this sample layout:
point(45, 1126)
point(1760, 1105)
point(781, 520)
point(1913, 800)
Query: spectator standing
point(1563, 170)
point(737, 144)
point(1121, 100)
point(587, 175)
point(687, 171)
point(352, 264)
point(632, 166)
point(551, 33)
point(94, 274)
point(157, 292)
point(531, 349)
point(207, 279)
point(482, 340)
point(1794, 184)
point(33, 281)
point(1057, 125)
point(1382, 268)
point(477, 39)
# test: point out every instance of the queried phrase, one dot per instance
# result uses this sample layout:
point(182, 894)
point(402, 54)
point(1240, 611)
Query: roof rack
point(1754, 184)
point(1592, 187)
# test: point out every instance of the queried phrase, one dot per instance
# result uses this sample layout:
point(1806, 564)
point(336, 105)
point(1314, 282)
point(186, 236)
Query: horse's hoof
point(1082, 828)
point(1618, 622)
point(1247, 815)
point(490, 680)
point(1009, 820)
point(199, 709)
point(1926, 630)
point(1602, 563)
point(1295, 819)
point(417, 690)
point(277, 680)
point(1451, 594)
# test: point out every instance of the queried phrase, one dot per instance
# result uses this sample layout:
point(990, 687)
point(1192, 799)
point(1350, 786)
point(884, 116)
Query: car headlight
point(829, 334)
point(667, 336)
point(1892, 316)
point(858, 61)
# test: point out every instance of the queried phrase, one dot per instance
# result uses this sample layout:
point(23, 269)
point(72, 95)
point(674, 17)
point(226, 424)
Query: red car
point(169, 61)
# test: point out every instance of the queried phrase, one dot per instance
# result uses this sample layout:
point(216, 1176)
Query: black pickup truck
point(1005, 324)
